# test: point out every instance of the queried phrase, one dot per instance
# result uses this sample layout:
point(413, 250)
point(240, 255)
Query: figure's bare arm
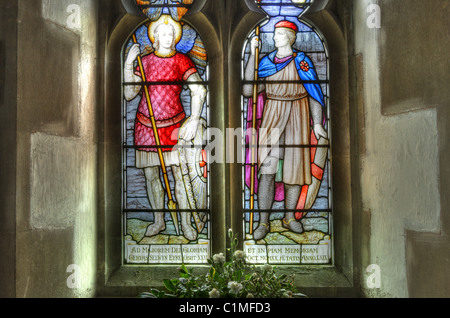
point(249, 72)
point(198, 97)
point(198, 94)
point(316, 110)
point(131, 91)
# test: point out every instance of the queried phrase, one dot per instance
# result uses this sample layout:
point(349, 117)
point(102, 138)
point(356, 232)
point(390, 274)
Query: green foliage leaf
point(259, 283)
point(169, 285)
point(147, 295)
point(183, 269)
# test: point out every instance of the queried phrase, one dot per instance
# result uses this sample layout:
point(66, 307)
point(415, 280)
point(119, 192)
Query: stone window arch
point(225, 63)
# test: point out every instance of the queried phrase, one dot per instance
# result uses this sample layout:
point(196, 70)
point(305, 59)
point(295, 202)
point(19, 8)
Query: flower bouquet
point(228, 279)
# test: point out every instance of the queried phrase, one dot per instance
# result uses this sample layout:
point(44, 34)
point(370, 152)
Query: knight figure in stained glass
point(292, 109)
point(159, 77)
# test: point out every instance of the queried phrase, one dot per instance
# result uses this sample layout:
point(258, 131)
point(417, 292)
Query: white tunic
point(287, 112)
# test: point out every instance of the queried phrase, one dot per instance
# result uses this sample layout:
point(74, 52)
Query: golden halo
point(165, 19)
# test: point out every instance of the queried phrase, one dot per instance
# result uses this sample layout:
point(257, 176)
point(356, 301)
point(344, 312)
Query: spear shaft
point(253, 142)
point(171, 204)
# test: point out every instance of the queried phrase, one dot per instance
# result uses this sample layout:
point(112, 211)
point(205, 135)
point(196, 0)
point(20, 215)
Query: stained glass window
point(165, 201)
point(287, 178)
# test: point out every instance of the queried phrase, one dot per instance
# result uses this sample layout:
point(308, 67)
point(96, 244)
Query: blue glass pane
point(293, 8)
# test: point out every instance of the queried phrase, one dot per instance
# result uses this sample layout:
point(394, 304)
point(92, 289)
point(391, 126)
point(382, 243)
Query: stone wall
point(8, 149)
point(404, 74)
point(56, 148)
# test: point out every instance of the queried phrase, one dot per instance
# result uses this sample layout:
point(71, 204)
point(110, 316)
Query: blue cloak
point(268, 67)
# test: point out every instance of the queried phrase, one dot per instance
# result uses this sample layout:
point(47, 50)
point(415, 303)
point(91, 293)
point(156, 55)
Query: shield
point(318, 160)
point(193, 166)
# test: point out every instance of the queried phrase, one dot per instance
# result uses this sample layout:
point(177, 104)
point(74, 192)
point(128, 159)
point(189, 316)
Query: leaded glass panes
point(287, 181)
point(154, 8)
point(165, 113)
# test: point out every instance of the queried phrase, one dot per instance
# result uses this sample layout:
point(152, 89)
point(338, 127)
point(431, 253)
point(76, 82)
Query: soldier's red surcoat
point(165, 99)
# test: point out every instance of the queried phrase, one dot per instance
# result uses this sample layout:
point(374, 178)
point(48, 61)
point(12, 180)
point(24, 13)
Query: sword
point(171, 204)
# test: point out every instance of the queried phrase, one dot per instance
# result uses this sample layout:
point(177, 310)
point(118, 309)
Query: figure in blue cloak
point(290, 103)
